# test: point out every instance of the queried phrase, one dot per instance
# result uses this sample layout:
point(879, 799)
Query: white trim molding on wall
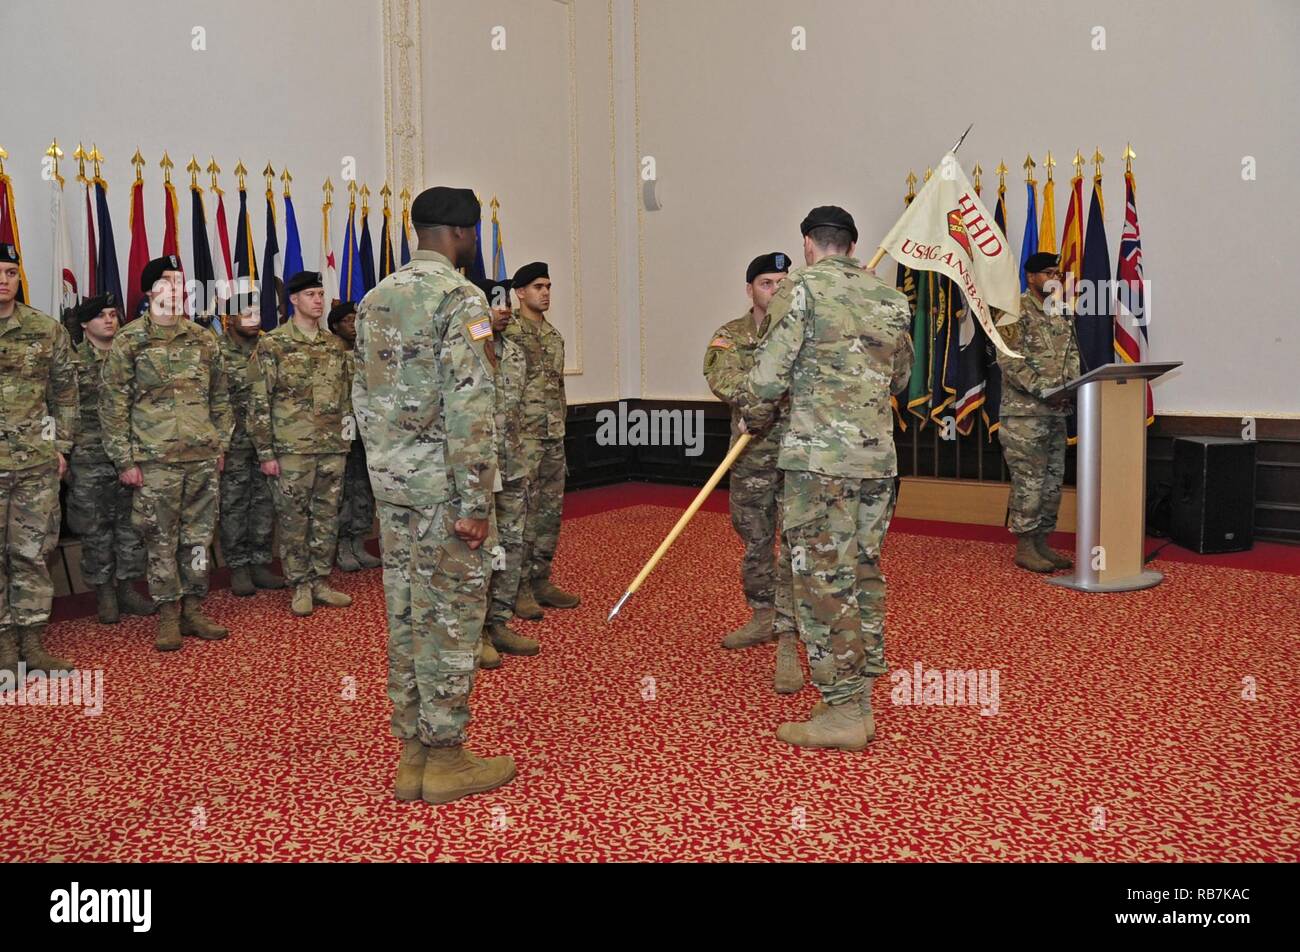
point(403, 128)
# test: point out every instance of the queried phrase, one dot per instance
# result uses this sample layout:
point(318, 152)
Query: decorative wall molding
point(403, 81)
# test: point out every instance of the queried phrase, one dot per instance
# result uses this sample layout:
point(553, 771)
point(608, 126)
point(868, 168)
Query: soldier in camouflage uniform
point(543, 435)
point(425, 400)
point(38, 418)
point(755, 478)
point(301, 424)
point(99, 504)
point(1033, 425)
point(838, 345)
point(247, 510)
point(509, 376)
point(357, 509)
point(165, 413)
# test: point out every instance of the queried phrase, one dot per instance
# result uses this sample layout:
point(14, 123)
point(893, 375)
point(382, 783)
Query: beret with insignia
point(155, 269)
point(831, 215)
point(530, 273)
point(1041, 261)
point(302, 281)
point(89, 309)
point(442, 205)
point(770, 263)
point(9, 254)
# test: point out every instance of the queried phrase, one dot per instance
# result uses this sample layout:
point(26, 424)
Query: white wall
point(293, 82)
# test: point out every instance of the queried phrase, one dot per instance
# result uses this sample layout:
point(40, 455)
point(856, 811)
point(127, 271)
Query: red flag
point(88, 272)
point(171, 216)
point(9, 231)
point(139, 255)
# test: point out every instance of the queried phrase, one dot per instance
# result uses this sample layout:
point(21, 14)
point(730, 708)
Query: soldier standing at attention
point(543, 434)
point(38, 418)
point(509, 376)
point(357, 510)
point(247, 510)
point(425, 402)
point(838, 344)
point(302, 427)
point(755, 478)
point(165, 414)
point(1033, 426)
point(99, 504)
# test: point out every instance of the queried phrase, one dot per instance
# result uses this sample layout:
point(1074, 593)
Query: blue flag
point(350, 273)
point(108, 277)
point(406, 244)
point(292, 249)
point(498, 252)
point(269, 294)
point(1095, 325)
point(478, 271)
point(367, 256)
point(205, 275)
point(1029, 246)
point(243, 264)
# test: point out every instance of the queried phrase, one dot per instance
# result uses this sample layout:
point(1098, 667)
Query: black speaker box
point(1214, 494)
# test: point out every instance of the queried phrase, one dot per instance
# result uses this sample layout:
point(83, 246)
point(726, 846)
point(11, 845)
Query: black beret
point(302, 281)
point(9, 254)
point(831, 215)
point(340, 311)
point(89, 309)
point(1041, 262)
point(497, 292)
point(446, 206)
point(530, 273)
point(770, 263)
point(155, 269)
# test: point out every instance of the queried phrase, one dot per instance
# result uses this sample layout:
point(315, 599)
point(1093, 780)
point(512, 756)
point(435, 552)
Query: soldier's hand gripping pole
point(736, 450)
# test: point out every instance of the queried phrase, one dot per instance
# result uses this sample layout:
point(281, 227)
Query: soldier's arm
point(116, 390)
point(261, 384)
point(1019, 371)
point(769, 379)
point(219, 409)
point(348, 374)
point(360, 395)
point(722, 367)
point(61, 393)
point(903, 357)
point(469, 406)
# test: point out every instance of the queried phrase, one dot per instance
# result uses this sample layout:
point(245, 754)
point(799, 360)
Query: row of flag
point(955, 372)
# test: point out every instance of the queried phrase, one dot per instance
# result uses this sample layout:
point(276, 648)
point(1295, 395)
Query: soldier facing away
point(165, 414)
point(838, 344)
point(302, 426)
point(38, 419)
point(357, 508)
point(1032, 433)
point(99, 504)
point(425, 400)
point(755, 494)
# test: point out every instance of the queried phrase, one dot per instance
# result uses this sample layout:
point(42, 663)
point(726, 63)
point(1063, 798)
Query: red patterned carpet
point(1121, 732)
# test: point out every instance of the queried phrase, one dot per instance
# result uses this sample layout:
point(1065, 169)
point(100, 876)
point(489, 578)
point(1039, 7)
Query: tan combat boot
point(821, 707)
point(169, 627)
point(34, 653)
point(241, 582)
point(364, 558)
point(344, 558)
point(106, 604)
point(263, 577)
point(487, 655)
point(1028, 557)
point(526, 606)
point(453, 772)
point(507, 640)
point(554, 596)
point(302, 601)
point(322, 594)
point(410, 770)
point(788, 678)
point(195, 623)
point(1058, 560)
point(842, 726)
point(756, 631)
point(9, 650)
point(132, 602)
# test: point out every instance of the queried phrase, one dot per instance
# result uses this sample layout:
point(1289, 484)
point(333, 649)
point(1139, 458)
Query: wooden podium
point(1109, 548)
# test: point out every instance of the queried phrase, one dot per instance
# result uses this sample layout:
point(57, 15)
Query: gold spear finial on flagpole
point(167, 164)
point(96, 157)
point(1097, 159)
point(386, 191)
point(1002, 171)
point(1129, 156)
point(929, 172)
point(1049, 163)
point(287, 180)
point(977, 172)
point(406, 202)
point(138, 161)
point(213, 169)
point(1029, 170)
point(911, 184)
point(80, 156)
point(1078, 163)
point(194, 169)
point(269, 174)
point(240, 173)
point(55, 153)
point(352, 194)
point(365, 200)
point(328, 190)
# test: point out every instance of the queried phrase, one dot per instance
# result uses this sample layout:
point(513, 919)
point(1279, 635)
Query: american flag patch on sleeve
point(720, 342)
point(480, 328)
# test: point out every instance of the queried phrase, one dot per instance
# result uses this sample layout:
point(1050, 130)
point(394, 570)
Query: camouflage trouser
point(1034, 448)
point(307, 504)
point(175, 512)
point(512, 510)
point(247, 512)
point(357, 510)
point(29, 531)
point(435, 589)
point(754, 500)
point(546, 502)
point(834, 528)
point(99, 512)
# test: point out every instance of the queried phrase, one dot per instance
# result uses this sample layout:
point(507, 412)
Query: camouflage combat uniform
point(1033, 432)
point(38, 419)
point(357, 508)
point(302, 418)
point(544, 409)
point(247, 510)
point(99, 505)
point(165, 407)
point(424, 401)
point(510, 375)
point(839, 345)
point(755, 477)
